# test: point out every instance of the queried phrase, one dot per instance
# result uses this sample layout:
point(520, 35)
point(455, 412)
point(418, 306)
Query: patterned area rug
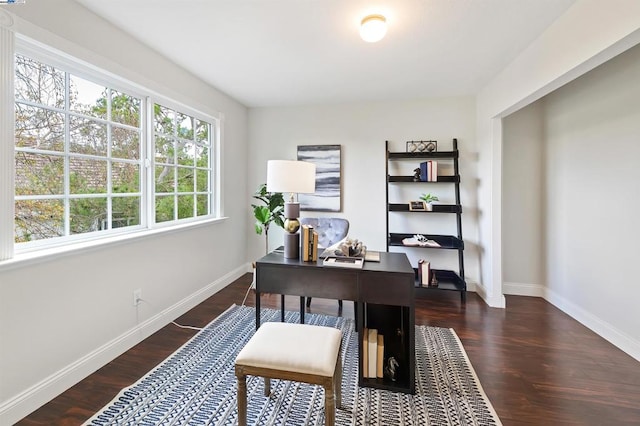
point(197, 386)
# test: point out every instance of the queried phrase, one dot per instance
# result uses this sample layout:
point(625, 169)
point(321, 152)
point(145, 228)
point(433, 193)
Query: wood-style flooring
point(537, 365)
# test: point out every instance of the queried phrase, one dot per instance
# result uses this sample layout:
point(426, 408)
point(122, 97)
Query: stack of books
point(372, 353)
point(429, 171)
point(309, 244)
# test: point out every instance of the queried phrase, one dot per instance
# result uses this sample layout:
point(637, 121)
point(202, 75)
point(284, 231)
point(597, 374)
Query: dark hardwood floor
point(536, 364)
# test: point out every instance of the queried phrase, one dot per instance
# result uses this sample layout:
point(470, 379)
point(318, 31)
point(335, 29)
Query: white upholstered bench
point(297, 352)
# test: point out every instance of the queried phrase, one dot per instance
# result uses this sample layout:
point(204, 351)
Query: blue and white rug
point(197, 385)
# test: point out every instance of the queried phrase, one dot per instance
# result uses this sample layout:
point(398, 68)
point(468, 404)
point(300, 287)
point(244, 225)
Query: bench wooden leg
point(267, 387)
point(337, 381)
point(329, 405)
point(242, 400)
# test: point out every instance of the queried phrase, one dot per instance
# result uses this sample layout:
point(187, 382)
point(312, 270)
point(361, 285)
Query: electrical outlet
point(137, 297)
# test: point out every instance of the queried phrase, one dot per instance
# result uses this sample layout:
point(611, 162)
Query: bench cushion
point(299, 348)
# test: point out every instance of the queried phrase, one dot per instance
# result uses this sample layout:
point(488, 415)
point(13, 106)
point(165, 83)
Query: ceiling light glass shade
point(373, 28)
point(291, 176)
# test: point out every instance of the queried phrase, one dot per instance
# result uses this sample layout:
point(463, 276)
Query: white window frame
point(82, 69)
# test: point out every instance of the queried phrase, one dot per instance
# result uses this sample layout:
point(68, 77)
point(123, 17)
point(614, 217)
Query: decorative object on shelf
point(419, 240)
point(416, 174)
point(434, 281)
point(391, 369)
point(428, 199)
point(327, 159)
point(422, 146)
point(417, 206)
point(294, 177)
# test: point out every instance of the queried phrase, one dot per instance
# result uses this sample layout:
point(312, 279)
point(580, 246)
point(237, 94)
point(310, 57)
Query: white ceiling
point(301, 52)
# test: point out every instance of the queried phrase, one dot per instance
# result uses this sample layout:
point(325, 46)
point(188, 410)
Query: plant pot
point(429, 207)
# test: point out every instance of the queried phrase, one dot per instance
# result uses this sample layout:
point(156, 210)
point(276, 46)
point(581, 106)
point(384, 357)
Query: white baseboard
point(26, 402)
point(607, 331)
point(523, 289)
point(494, 302)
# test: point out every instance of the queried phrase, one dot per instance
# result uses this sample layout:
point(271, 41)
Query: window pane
point(125, 109)
point(126, 212)
point(38, 174)
point(87, 176)
point(87, 214)
point(203, 205)
point(202, 180)
point(165, 179)
point(125, 177)
point(202, 131)
point(39, 83)
point(88, 137)
point(185, 179)
point(87, 98)
point(164, 150)
point(125, 143)
point(39, 128)
point(202, 156)
point(187, 153)
point(38, 220)
point(185, 206)
point(163, 120)
point(164, 208)
point(185, 126)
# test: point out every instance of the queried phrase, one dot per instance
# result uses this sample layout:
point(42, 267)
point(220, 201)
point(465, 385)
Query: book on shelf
point(373, 353)
point(343, 262)
point(314, 251)
point(380, 357)
point(309, 243)
point(429, 171)
point(365, 352)
point(425, 273)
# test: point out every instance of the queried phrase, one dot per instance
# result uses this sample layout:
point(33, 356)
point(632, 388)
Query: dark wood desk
point(383, 292)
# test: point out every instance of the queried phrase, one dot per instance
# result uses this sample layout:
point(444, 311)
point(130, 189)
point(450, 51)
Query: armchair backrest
point(330, 229)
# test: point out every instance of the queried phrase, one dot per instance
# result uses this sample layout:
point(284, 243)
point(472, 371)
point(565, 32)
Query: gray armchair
point(330, 230)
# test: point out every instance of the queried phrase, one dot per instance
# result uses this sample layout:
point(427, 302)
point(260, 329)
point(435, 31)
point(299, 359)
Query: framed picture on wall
point(327, 197)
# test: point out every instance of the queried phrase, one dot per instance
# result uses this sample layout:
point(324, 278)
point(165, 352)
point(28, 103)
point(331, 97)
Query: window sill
point(47, 254)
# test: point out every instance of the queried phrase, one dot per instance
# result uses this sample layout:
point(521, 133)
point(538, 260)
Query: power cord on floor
point(253, 264)
point(172, 322)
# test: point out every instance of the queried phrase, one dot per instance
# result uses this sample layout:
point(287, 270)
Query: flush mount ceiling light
point(373, 28)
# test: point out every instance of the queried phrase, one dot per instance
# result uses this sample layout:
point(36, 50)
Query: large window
point(93, 159)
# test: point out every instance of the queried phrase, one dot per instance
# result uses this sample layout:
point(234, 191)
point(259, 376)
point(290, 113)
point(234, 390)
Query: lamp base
point(292, 246)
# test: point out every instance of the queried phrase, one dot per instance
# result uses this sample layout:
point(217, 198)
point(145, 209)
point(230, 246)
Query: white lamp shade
point(373, 28)
point(291, 176)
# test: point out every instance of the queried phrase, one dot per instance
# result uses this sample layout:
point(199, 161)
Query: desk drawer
point(386, 289)
point(327, 283)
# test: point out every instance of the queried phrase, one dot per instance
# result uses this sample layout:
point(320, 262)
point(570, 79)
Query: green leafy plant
point(272, 211)
point(428, 198)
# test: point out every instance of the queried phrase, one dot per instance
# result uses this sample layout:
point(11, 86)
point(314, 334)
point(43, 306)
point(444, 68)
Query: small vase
point(429, 207)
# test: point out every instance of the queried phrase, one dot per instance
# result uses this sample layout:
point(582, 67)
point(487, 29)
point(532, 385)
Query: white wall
point(587, 35)
point(62, 317)
point(523, 205)
point(361, 130)
point(592, 134)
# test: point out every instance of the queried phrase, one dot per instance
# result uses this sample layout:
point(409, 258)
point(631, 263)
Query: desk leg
point(257, 309)
point(302, 309)
point(282, 308)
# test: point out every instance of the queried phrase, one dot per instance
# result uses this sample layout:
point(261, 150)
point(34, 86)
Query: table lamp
point(295, 177)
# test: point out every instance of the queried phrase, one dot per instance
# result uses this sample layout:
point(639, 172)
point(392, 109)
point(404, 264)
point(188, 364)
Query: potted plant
point(428, 200)
point(272, 211)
